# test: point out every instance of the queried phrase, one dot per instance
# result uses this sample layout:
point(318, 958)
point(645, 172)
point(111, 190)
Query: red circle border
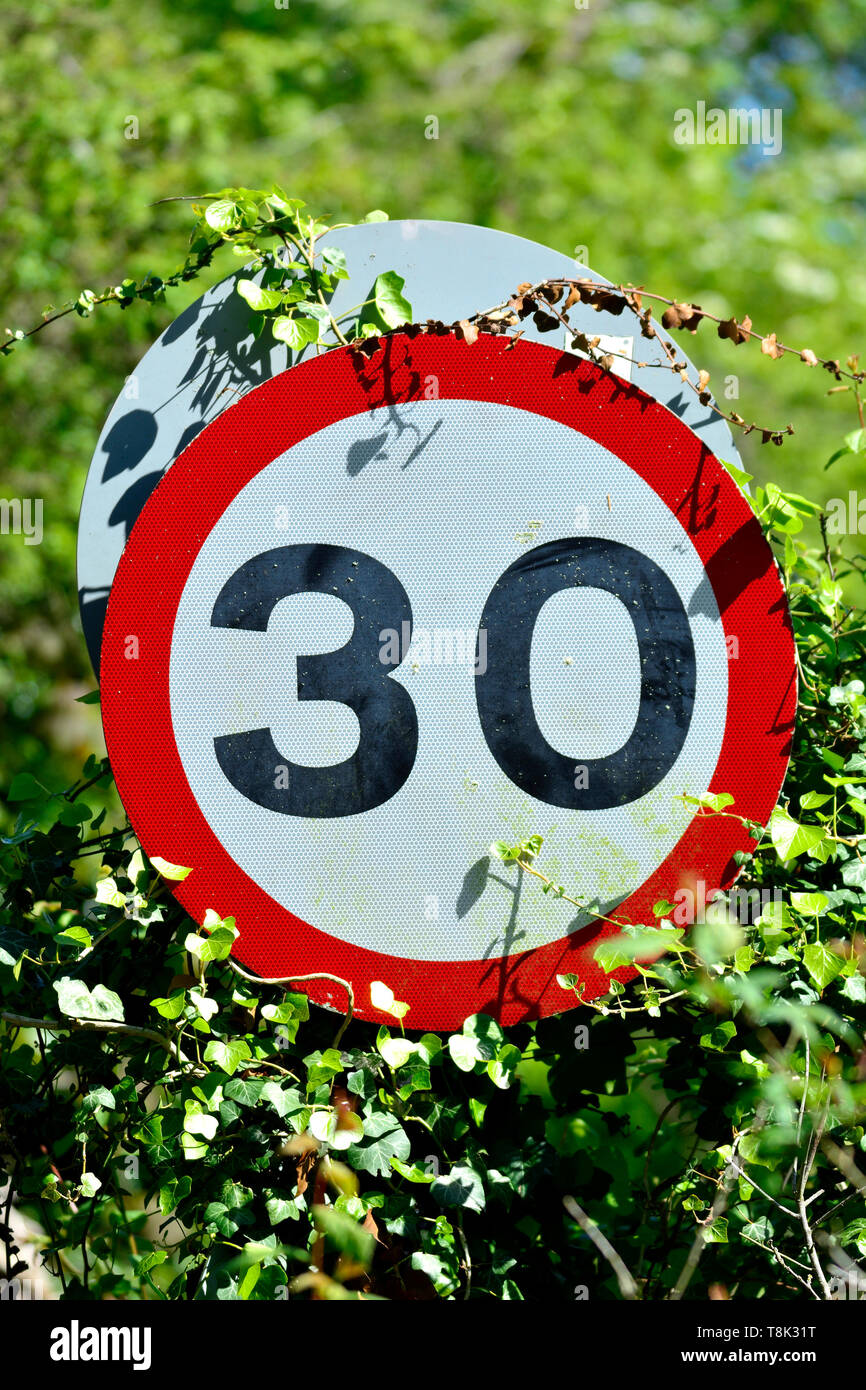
point(181, 512)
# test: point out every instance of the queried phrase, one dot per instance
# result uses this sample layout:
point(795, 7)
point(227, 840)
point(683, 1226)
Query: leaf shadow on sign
point(365, 451)
point(225, 361)
point(678, 405)
point(373, 450)
point(741, 560)
point(387, 377)
point(127, 442)
point(701, 499)
point(780, 724)
point(503, 967)
point(589, 377)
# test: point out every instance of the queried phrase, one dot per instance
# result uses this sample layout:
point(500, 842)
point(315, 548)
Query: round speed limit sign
point(383, 612)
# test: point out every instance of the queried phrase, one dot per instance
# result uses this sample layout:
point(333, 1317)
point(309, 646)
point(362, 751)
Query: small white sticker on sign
point(621, 349)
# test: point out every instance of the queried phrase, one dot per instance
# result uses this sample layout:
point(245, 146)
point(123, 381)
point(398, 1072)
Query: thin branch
point(301, 979)
point(785, 1261)
point(842, 1160)
point(720, 1202)
point(93, 1025)
point(801, 1203)
point(627, 1285)
point(741, 1172)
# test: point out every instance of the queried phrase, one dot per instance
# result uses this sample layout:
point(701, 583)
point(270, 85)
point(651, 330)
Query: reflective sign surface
point(387, 612)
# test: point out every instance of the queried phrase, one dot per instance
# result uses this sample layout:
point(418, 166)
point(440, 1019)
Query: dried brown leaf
point(770, 348)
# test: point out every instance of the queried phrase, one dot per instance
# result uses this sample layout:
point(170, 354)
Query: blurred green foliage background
point(555, 122)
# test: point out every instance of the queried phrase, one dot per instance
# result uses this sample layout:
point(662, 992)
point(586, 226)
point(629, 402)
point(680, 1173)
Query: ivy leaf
point(25, 787)
point(296, 333)
point(717, 1039)
point(416, 1079)
point(395, 1051)
point(462, 1187)
point(204, 1005)
point(173, 1192)
point(645, 941)
point(335, 260)
point(501, 1070)
point(663, 908)
point(246, 1090)
point(382, 998)
point(464, 1052)
point(322, 1067)
point(172, 1007)
point(288, 1103)
point(611, 956)
point(290, 1007)
point(231, 1210)
point(151, 1260)
point(227, 1054)
point(855, 1232)
point(77, 1001)
point(854, 873)
point(822, 964)
point(215, 946)
point(198, 1122)
point(175, 872)
point(90, 1184)
point(323, 1125)
point(412, 1172)
point(257, 297)
point(813, 904)
point(108, 892)
point(222, 215)
point(281, 1209)
point(76, 936)
point(99, 1098)
point(744, 959)
point(716, 801)
point(717, 1232)
point(441, 1270)
point(348, 1235)
point(488, 1034)
point(218, 1216)
point(389, 302)
point(761, 1230)
point(792, 839)
point(383, 1140)
point(854, 989)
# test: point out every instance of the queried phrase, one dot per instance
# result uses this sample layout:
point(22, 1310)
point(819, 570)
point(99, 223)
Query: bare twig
point(301, 979)
point(627, 1285)
point(720, 1203)
point(93, 1025)
point(741, 1172)
point(812, 1151)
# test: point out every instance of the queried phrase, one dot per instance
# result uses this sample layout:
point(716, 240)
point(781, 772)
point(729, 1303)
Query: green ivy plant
point(279, 242)
point(176, 1129)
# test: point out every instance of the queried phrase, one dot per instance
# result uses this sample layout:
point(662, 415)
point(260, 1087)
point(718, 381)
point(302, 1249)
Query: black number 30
point(356, 676)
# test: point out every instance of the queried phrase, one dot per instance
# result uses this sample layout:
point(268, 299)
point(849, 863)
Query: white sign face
point(454, 492)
